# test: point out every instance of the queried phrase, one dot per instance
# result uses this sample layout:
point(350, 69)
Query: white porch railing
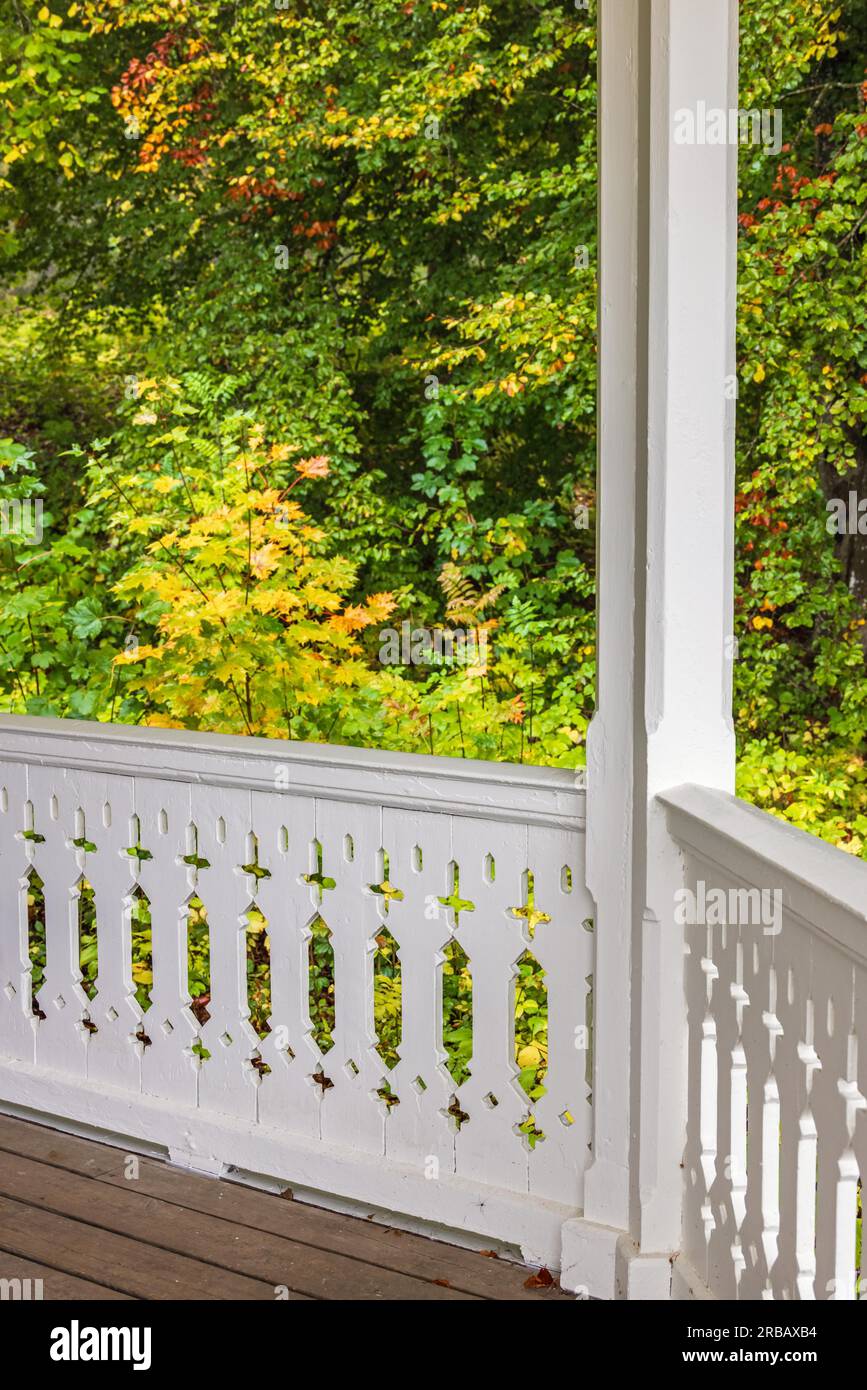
point(324, 828)
point(777, 1001)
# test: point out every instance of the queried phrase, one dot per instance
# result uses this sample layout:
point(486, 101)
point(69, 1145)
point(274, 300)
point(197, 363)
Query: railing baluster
point(113, 1053)
point(17, 1020)
point(287, 1098)
point(61, 1040)
point(169, 1070)
point(417, 1131)
point(342, 888)
point(564, 949)
point(488, 1147)
point(351, 1111)
point(227, 1080)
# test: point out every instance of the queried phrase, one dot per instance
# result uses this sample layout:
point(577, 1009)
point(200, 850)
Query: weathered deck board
point(124, 1264)
point(66, 1204)
point(56, 1286)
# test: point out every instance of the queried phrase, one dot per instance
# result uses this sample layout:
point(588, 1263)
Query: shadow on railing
point(776, 980)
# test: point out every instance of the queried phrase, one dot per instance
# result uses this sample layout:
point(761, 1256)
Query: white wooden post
point(667, 214)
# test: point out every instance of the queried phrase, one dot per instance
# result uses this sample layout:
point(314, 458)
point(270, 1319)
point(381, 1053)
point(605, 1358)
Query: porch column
point(667, 224)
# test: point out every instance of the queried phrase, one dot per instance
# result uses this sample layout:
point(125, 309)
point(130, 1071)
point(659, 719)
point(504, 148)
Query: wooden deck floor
point(70, 1217)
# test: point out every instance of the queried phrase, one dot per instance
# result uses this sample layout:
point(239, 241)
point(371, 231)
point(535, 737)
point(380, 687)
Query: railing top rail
point(822, 885)
point(457, 786)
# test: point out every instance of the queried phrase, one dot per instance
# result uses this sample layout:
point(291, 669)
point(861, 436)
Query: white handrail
point(467, 787)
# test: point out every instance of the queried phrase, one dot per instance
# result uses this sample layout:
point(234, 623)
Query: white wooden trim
point(77, 799)
point(776, 990)
point(667, 221)
point(821, 885)
point(458, 786)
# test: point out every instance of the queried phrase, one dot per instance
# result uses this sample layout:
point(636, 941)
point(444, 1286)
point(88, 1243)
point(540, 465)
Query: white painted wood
point(564, 949)
point(776, 1128)
point(481, 1209)
point(288, 1097)
point(17, 1020)
point(61, 1038)
point(462, 786)
point(199, 838)
point(169, 1068)
point(488, 1144)
point(113, 1052)
point(351, 1109)
point(667, 259)
point(227, 1079)
point(417, 1131)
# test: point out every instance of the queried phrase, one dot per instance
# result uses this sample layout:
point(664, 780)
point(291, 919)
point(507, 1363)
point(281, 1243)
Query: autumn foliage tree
point(366, 232)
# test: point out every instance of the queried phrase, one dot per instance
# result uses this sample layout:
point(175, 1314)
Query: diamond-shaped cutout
point(387, 997)
point(457, 995)
point(320, 961)
point(59, 1002)
point(34, 895)
point(88, 943)
point(226, 1039)
point(111, 1014)
point(167, 1027)
point(419, 1084)
point(490, 1100)
point(531, 1025)
point(351, 1069)
point(198, 959)
point(566, 1118)
point(139, 908)
point(258, 950)
point(9, 990)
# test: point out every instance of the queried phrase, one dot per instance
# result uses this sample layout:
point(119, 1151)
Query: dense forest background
point(297, 345)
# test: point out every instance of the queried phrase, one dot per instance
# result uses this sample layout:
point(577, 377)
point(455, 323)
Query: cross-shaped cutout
point(80, 841)
point(254, 868)
point(454, 902)
point(318, 878)
point(529, 911)
point(193, 859)
point(385, 889)
point(136, 850)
